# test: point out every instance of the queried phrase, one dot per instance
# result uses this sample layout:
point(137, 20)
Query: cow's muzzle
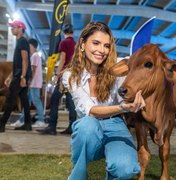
point(122, 91)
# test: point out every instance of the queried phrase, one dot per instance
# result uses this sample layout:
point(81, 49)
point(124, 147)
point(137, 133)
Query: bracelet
point(123, 109)
point(22, 77)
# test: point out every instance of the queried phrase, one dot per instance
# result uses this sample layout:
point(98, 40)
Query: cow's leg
point(143, 150)
point(164, 152)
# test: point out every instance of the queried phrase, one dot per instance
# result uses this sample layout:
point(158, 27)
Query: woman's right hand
point(137, 105)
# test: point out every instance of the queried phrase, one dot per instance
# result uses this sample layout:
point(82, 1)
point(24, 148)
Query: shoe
point(24, 127)
point(2, 128)
point(38, 124)
point(18, 123)
point(67, 131)
point(47, 131)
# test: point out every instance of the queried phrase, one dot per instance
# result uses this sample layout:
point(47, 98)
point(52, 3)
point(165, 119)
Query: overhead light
point(16, 16)
point(7, 15)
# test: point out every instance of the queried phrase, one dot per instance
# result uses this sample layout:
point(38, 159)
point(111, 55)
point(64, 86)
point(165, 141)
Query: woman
point(100, 132)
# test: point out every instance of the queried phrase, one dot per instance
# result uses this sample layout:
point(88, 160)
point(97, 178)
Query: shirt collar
point(85, 76)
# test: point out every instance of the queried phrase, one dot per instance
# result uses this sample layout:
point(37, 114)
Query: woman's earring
point(82, 49)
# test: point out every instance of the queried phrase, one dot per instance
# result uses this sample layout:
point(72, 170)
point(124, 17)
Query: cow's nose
point(122, 91)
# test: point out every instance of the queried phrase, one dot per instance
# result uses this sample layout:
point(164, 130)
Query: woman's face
point(97, 47)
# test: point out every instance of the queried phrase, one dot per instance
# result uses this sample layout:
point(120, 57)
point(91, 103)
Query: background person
point(66, 50)
point(35, 86)
point(17, 81)
point(100, 132)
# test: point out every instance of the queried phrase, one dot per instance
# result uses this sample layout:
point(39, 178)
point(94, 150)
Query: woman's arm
point(106, 111)
point(86, 106)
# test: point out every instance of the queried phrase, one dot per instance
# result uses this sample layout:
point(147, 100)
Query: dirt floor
point(32, 142)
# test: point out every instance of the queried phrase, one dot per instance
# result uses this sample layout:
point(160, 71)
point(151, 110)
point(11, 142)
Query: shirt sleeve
point(62, 47)
point(83, 102)
point(23, 45)
point(34, 60)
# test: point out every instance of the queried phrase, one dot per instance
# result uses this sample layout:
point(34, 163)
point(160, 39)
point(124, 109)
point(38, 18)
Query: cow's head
point(148, 70)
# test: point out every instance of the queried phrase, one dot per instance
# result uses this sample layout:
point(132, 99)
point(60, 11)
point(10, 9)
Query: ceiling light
point(16, 16)
point(7, 15)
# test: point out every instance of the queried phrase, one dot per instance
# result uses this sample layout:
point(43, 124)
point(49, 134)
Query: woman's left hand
point(137, 105)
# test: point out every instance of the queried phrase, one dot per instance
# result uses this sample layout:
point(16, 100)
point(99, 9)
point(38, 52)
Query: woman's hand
point(137, 105)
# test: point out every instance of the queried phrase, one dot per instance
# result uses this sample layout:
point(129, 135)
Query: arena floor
point(32, 142)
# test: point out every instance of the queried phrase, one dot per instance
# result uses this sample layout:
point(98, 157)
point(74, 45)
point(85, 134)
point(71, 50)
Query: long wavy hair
point(105, 81)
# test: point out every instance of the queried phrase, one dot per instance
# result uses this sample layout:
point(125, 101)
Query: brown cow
point(151, 71)
point(5, 70)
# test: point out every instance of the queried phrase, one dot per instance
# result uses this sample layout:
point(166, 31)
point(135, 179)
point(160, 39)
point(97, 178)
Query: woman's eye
point(95, 43)
point(107, 46)
point(148, 64)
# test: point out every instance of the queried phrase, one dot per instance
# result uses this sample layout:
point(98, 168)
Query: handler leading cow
point(151, 71)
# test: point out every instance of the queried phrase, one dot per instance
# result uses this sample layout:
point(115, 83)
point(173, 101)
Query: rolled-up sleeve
point(83, 102)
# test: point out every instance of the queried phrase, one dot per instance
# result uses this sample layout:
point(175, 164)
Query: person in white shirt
point(100, 132)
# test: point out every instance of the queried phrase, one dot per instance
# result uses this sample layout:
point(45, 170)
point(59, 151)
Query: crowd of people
point(91, 93)
point(27, 79)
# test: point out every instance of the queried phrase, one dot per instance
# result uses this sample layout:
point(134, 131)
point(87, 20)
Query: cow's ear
point(170, 70)
point(120, 69)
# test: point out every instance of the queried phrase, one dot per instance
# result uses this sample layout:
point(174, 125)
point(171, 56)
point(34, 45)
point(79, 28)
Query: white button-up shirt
point(81, 94)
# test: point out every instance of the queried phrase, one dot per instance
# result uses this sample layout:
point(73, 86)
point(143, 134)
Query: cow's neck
point(160, 110)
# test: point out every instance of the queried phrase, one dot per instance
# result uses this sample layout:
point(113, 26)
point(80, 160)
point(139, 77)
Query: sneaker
point(66, 131)
point(18, 123)
point(38, 124)
point(26, 127)
point(47, 131)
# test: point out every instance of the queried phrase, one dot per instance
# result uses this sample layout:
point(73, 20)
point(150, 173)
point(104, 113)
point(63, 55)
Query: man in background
point(17, 81)
point(66, 50)
point(35, 86)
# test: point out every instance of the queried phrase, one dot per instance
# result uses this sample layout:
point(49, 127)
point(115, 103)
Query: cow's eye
point(148, 64)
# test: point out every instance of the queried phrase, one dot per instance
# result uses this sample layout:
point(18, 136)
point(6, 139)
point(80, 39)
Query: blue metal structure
point(124, 17)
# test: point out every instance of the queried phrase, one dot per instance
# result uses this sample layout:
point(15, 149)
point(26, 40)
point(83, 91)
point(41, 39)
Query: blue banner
point(142, 36)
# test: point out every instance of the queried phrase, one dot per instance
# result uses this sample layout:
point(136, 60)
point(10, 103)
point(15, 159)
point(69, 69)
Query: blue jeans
point(55, 99)
point(34, 96)
point(94, 139)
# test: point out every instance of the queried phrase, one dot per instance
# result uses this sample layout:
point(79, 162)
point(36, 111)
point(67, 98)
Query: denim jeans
point(14, 91)
point(94, 139)
point(34, 97)
point(36, 100)
point(55, 99)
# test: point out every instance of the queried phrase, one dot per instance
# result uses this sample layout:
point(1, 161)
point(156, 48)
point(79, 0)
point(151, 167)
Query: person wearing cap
point(17, 81)
point(66, 49)
point(34, 87)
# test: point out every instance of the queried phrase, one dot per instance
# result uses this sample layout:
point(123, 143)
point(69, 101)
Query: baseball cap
point(17, 24)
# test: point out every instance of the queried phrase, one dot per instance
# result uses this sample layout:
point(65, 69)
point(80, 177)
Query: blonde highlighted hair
point(105, 81)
